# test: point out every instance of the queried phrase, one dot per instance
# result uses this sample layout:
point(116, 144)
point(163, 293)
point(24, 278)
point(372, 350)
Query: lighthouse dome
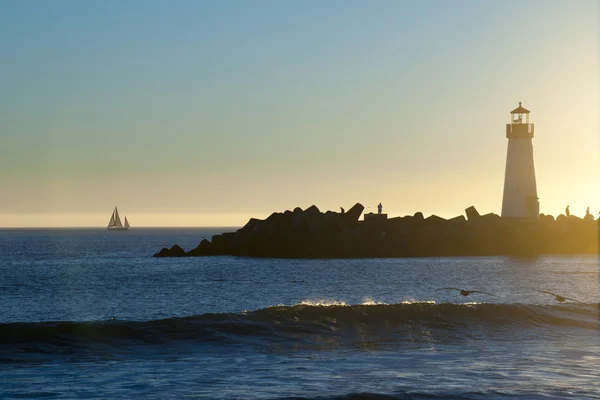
point(520, 110)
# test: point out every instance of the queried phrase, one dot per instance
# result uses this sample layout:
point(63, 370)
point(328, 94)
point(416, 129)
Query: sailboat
point(115, 222)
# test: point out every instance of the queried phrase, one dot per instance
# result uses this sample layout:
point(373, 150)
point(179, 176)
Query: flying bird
point(558, 297)
point(465, 292)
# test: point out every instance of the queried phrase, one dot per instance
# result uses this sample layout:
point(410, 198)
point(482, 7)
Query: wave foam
point(413, 301)
point(368, 301)
point(323, 303)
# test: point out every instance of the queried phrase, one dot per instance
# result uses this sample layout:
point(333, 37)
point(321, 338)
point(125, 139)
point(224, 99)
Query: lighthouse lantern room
point(520, 192)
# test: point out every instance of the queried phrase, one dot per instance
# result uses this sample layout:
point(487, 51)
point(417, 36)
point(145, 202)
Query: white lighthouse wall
point(519, 179)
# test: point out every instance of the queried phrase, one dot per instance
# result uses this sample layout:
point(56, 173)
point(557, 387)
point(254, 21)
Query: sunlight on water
point(412, 301)
point(322, 303)
point(367, 301)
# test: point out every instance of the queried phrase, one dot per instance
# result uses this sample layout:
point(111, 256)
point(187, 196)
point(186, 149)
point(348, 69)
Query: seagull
point(465, 292)
point(559, 298)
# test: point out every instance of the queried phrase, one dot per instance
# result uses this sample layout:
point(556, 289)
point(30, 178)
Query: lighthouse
point(520, 193)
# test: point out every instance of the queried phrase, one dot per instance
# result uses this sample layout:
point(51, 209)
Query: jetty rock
point(204, 248)
point(311, 233)
point(472, 213)
point(174, 251)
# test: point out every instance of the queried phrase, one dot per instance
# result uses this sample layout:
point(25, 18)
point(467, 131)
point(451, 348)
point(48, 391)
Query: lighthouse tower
point(520, 193)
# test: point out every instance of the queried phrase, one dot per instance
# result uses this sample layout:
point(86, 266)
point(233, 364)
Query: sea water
point(86, 313)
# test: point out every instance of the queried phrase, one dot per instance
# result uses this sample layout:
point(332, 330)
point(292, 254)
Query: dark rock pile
point(311, 233)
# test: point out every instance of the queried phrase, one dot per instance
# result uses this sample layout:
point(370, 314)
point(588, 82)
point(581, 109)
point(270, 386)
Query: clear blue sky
point(218, 111)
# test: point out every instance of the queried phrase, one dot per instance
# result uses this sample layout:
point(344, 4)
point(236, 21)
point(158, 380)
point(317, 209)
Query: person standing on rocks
point(567, 212)
point(379, 208)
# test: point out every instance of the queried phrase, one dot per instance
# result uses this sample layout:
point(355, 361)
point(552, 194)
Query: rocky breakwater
point(311, 233)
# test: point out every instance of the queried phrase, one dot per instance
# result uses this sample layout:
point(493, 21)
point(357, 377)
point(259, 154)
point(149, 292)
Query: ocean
point(86, 313)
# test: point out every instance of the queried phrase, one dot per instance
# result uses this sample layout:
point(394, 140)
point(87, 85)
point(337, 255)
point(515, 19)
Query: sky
point(207, 113)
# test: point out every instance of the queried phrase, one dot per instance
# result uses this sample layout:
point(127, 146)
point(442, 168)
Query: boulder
point(460, 218)
point(548, 218)
point(164, 252)
point(253, 225)
point(472, 213)
point(562, 218)
point(312, 210)
point(273, 217)
point(276, 223)
point(174, 251)
point(354, 213)
point(490, 217)
point(434, 219)
point(205, 248)
point(313, 218)
point(297, 218)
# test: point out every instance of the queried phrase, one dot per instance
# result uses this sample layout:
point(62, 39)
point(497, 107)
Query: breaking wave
point(310, 323)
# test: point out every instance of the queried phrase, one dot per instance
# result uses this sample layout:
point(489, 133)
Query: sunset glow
point(209, 113)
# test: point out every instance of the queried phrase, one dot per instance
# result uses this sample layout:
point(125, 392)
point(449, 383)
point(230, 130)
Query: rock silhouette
point(311, 233)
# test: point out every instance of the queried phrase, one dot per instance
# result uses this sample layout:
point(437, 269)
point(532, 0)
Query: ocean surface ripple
point(88, 314)
point(393, 324)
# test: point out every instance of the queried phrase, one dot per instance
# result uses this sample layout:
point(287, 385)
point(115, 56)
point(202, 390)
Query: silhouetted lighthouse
point(520, 193)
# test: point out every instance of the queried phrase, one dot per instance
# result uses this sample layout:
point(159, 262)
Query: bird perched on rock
point(558, 297)
point(465, 292)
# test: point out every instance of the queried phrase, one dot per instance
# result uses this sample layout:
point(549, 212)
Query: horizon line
point(104, 228)
point(22, 220)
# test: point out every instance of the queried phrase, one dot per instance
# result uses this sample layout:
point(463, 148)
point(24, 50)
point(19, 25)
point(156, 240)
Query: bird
point(465, 292)
point(558, 297)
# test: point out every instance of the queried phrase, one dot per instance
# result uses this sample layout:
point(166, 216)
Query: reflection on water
point(226, 327)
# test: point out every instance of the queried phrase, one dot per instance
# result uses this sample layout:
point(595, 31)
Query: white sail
point(112, 220)
point(118, 223)
point(115, 222)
